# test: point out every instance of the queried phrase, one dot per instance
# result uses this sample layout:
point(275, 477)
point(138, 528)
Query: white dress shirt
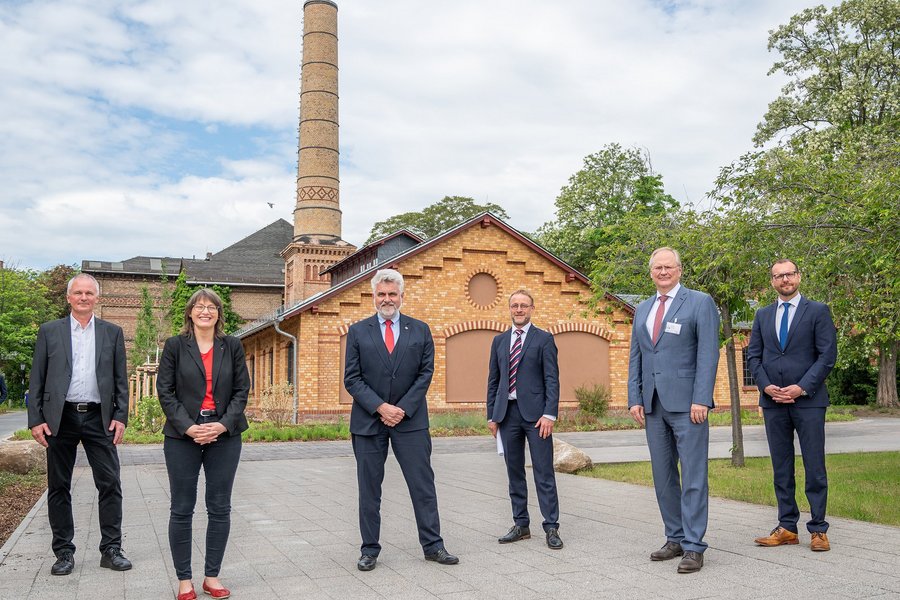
point(795, 303)
point(83, 386)
point(651, 318)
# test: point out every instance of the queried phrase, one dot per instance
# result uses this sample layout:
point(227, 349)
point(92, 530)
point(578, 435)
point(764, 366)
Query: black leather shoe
point(669, 551)
point(515, 534)
point(113, 558)
point(553, 540)
point(366, 562)
point(64, 565)
point(691, 562)
point(442, 557)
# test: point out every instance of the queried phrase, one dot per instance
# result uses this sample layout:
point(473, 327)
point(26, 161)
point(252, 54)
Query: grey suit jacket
point(402, 378)
point(537, 379)
point(681, 366)
point(51, 373)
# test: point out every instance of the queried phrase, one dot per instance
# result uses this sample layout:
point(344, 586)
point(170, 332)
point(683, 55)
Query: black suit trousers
point(413, 452)
point(86, 428)
point(514, 431)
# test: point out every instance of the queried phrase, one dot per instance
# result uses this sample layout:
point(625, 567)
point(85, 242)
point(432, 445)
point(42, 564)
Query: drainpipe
point(293, 366)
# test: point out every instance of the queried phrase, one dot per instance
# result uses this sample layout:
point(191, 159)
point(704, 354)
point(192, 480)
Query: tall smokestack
point(317, 216)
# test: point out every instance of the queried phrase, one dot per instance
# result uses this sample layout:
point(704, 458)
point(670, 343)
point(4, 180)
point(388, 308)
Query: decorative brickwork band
point(585, 327)
point(317, 193)
point(491, 325)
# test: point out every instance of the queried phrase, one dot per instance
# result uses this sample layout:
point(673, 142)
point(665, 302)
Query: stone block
point(568, 459)
point(22, 456)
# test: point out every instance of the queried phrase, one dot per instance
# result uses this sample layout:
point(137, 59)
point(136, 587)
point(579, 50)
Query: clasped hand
point(390, 415)
point(784, 395)
point(205, 433)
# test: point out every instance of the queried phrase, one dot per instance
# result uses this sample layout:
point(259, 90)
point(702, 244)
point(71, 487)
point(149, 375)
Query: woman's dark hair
point(205, 294)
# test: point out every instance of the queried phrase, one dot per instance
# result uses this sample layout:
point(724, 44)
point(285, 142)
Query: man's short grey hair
point(665, 249)
point(388, 276)
point(83, 276)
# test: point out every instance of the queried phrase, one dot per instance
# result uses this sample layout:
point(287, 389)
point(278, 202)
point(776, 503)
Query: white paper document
point(499, 444)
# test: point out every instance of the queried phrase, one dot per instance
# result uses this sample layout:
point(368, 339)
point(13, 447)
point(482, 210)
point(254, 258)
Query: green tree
point(434, 219)
point(146, 334)
point(830, 184)
point(613, 183)
point(182, 292)
point(720, 252)
point(23, 307)
point(55, 280)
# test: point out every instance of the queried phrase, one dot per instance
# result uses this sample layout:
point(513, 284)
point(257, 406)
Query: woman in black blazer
point(202, 386)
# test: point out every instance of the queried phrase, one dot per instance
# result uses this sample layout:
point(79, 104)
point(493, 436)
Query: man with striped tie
point(522, 404)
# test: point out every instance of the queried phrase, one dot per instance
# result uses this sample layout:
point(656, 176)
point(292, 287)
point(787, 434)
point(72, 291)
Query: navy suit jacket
point(537, 380)
point(51, 373)
point(680, 367)
point(181, 384)
point(401, 378)
point(806, 361)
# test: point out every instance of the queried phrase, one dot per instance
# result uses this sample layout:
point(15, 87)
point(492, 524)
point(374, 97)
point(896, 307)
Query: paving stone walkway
point(294, 536)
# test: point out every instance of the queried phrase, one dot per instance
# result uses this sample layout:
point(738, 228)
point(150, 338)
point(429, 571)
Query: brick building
point(251, 267)
point(457, 282)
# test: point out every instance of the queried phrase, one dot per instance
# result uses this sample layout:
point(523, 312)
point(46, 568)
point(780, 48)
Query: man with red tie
point(522, 404)
point(388, 369)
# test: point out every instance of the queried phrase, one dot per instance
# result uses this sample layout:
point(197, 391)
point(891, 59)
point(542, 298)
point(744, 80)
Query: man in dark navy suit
point(389, 365)
point(793, 347)
point(522, 404)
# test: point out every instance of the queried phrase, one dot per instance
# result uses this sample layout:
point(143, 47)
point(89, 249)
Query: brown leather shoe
point(669, 551)
point(691, 562)
point(779, 537)
point(819, 542)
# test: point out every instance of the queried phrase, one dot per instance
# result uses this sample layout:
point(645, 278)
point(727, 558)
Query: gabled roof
point(485, 219)
point(379, 242)
point(254, 260)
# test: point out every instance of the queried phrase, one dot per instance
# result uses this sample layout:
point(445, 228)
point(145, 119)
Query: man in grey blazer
point(78, 393)
point(671, 375)
point(522, 404)
point(388, 369)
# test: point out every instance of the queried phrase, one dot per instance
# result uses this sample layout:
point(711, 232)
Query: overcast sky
point(163, 127)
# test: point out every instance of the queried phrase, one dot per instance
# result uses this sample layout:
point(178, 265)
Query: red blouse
point(208, 402)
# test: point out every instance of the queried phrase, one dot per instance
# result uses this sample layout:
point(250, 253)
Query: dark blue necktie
point(783, 331)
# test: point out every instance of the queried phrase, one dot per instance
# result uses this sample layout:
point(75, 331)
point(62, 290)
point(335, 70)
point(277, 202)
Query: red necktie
point(657, 322)
point(388, 336)
point(514, 354)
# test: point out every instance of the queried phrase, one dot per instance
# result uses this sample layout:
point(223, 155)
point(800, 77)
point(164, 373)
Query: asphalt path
point(12, 421)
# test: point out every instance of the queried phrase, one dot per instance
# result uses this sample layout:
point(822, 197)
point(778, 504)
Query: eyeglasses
point(785, 276)
point(520, 306)
point(661, 268)
point(211, 308)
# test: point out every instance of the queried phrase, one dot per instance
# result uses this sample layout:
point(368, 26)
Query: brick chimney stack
point(317, 214)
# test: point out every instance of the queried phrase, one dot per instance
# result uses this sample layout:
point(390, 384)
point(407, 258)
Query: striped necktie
point(514, 354)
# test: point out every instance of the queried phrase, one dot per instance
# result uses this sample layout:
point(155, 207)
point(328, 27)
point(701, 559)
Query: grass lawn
point(443, 424)
point(863, 486)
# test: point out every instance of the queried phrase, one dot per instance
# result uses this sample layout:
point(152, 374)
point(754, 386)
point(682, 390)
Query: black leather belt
point(83, 407)
point(207, 412)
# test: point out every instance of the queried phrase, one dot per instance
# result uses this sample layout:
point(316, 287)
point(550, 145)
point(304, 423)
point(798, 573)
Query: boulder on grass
point(568, 459)
point(22, 456)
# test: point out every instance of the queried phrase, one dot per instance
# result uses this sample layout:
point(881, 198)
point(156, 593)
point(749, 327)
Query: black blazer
point(181, 384)
point(537, 380)
point(806, 361)
point(373, 376)
point(51, 373)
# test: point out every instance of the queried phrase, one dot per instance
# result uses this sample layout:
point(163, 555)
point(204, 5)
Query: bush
point(276, 405)
point(149, 417)
point(593, 399)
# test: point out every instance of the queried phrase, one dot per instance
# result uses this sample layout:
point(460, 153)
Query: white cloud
point(104, 103)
